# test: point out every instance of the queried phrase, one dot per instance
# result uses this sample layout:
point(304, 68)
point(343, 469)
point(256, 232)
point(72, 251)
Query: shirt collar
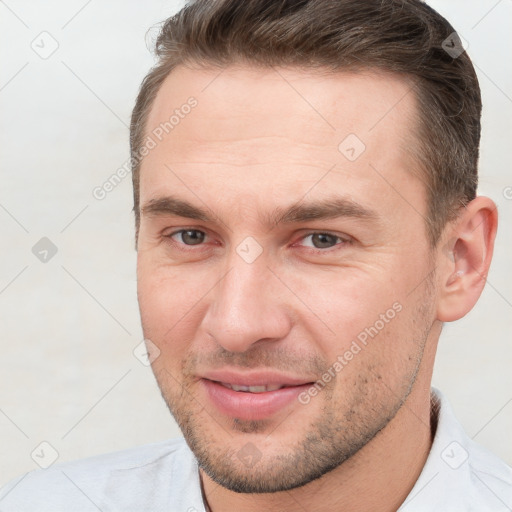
point(457, 473)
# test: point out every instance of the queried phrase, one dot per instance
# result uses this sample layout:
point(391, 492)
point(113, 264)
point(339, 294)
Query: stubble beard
point(328, 441)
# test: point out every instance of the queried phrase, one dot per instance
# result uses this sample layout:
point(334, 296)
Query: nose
point(247, 307)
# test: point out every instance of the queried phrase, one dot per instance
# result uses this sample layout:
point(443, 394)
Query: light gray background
point(69, 326)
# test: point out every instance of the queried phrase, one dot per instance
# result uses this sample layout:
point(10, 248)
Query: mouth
point(253, 396)
point(252, 389)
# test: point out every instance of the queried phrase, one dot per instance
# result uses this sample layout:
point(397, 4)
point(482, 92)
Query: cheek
point(170, 305)
point(371, 325)
point(382, 359)
point(346, 309)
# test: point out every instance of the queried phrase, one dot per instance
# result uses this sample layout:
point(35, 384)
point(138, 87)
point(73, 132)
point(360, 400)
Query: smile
point(251, 389)
point(253, 399)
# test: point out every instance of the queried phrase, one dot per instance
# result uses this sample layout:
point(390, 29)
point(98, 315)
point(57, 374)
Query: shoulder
point(458, 451)
point(491, 475)
point(459, 474)
point(115, 481)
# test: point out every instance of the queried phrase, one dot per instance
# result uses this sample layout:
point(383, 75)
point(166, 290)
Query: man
point(306, 220)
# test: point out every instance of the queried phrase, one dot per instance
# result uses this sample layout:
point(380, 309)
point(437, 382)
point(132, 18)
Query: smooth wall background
point(69, 321)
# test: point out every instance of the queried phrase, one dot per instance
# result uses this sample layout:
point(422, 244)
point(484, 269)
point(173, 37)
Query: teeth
point(251, 389)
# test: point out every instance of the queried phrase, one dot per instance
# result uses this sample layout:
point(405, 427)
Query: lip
point(255, 378)
point(252, 406)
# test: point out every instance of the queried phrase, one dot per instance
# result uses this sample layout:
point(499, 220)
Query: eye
point(320, 240)
point(188, 236)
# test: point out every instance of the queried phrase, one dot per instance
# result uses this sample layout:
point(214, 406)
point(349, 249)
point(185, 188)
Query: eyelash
point(342, 241)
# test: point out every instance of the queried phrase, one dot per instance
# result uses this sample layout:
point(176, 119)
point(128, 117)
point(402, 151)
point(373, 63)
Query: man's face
point(252, 295)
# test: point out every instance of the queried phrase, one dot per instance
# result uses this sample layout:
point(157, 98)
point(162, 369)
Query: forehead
point(368, 101)
point(279, 131)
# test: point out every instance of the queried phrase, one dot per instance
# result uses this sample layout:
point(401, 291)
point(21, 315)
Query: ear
point(464, 258)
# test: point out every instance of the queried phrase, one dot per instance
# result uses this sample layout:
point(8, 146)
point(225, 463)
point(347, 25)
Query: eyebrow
point(301, 211)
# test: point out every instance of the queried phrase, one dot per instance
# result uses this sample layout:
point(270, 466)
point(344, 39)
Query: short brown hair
point(398, 36)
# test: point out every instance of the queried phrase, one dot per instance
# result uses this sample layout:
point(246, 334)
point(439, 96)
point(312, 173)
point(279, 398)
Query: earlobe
point(465, 259)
